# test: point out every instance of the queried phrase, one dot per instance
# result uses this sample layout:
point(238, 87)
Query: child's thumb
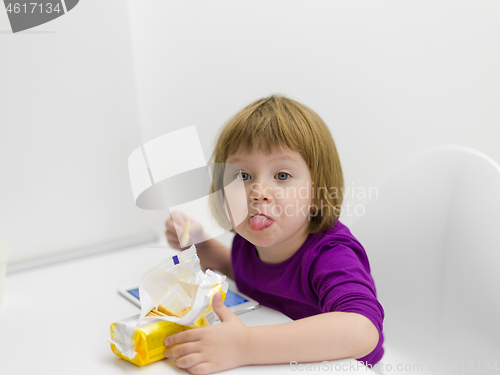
point(220, 309)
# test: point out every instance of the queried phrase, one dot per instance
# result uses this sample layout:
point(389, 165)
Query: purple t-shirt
point(329, 272)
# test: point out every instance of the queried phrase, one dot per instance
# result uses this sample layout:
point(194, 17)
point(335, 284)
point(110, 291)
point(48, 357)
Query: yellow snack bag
point(175, 296)
point(147, 337)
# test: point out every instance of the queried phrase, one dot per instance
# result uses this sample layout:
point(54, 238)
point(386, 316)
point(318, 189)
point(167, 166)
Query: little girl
point(291, 254)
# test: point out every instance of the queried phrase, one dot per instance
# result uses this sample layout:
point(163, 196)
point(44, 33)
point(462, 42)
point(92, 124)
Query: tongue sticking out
point(259, 222)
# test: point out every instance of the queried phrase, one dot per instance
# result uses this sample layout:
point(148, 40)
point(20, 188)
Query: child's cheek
point(236, 202)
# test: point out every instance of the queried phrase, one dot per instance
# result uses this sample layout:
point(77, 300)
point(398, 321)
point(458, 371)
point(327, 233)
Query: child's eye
point(283, 176)
point(243, 176)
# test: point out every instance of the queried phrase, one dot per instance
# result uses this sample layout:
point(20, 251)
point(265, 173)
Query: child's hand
point(175, 230)
point(210, 349)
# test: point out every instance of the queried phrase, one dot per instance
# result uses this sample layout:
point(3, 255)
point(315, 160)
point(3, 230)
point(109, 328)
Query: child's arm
point(231, 344)
point(212, 253)
point(320, 337)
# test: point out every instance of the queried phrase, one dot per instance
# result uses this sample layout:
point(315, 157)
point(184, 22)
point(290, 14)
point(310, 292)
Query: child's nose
point(259, 191)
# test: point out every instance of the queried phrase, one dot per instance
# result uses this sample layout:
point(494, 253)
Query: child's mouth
point(259, 222)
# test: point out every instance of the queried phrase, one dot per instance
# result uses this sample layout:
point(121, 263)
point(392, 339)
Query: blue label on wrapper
point(175, 259)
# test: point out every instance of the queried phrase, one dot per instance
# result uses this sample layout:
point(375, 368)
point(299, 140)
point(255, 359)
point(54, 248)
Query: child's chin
point(263, 241)
point(257, 238)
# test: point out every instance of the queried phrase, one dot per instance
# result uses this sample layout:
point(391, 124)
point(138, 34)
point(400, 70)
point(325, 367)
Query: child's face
point(278, 189)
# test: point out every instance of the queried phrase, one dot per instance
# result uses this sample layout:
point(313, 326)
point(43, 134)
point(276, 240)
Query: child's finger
point(172, 238)
point(182, 350)
point(170, 226)
point(178, 217)
point(173, 241)
point(185, 336)
point(220, 309)
point(173, 228)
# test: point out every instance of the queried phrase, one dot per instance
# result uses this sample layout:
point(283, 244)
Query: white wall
point(388, 77)
point(68, 121)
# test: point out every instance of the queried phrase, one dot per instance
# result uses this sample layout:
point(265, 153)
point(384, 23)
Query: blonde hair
point(277, 123)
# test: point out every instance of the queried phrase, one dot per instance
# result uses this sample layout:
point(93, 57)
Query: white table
point(55, 319)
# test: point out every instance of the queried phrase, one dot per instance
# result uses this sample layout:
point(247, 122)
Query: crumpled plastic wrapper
point(176, 283)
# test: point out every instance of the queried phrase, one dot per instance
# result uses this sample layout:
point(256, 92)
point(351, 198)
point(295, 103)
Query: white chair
point(433, 240)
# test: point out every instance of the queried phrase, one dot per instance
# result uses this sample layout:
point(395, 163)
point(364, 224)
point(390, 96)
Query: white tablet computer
point(237, 302)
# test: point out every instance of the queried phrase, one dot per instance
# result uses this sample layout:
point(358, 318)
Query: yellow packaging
point(143, 342)
point(147, 338)
point(175, 285)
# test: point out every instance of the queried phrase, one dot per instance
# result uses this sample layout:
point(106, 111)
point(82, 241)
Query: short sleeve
point(340, 276)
